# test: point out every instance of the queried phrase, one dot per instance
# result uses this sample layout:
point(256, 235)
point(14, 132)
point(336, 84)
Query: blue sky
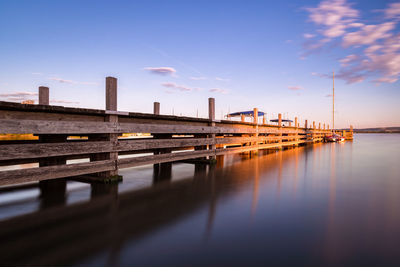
point(274, 55)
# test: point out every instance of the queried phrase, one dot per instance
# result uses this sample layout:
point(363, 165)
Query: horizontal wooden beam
point(43, 150)
point(91, 127)
point(53, 172)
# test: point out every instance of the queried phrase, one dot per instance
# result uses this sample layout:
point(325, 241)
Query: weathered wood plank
point(42, 150)
point(53, 172)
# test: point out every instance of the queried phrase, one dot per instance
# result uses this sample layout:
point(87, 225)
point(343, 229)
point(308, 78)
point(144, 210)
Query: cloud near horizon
point(375, 46)
point(161, 70)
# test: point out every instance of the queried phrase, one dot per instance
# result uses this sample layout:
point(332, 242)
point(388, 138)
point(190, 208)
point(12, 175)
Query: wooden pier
point(165, 138)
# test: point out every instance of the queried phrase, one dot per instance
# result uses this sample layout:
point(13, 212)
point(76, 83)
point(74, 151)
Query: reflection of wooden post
point(211, 117)
point(156, 108)
point(44, 95)
point(242, 118)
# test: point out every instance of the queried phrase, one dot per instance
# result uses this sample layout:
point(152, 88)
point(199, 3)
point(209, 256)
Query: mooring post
point(295, 122)
point(305, 124)
point(211, 117)
point(296, 132)
point(324, 126)
point(44, 95)
point(280, 127)
point(255, 116)
point(111, 116)
point(319, 126)
point(242, 118)
point(264, 120)
point(328, 127)
point(156, 109)
point(51, 191)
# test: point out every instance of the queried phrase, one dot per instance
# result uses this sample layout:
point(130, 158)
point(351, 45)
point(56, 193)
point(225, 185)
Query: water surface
point(322, 205)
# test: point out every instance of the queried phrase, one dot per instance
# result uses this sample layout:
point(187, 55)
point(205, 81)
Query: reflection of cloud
point(295, 88)
point(375, 47)
point(218, 90)
point(161, 70)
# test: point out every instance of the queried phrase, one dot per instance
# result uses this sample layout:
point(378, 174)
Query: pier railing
point(101, 148)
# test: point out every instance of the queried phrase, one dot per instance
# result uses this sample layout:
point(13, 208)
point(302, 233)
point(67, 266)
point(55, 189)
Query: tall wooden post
point(242, 118)
point(156, 108)
point(324, 126)
point(280, 127)
point(313, 124)
point(52, 192)
point(328, 127)
point(319, 126)
point(255, 116)
point(305, 124)
point(44, 95)
point(111, 116)
point(264, 120)
point(211, 117)
point(295, 122)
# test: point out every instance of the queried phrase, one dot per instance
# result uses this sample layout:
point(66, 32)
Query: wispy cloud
point(218, 90)
point(175, 86)
point(18, 96)
point(198, 78)
point(222, 79)
point(37, 73)
point(63, 101)
point(375, 46)
point(161, 70)
point(308, 35)
point(60, 80)
point(295, 88)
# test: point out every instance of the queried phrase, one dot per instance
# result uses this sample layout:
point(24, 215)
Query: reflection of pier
point(66, 234)
point(163, 139)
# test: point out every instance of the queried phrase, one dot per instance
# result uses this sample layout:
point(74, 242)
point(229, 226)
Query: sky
point(278, 56)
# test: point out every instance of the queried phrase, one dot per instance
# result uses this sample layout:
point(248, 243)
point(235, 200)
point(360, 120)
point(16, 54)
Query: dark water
point(324, 205)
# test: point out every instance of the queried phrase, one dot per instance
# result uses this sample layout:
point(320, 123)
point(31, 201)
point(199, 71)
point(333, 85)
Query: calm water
point(324, 205)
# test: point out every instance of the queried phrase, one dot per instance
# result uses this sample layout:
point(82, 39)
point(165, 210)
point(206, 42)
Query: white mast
point(333, 104)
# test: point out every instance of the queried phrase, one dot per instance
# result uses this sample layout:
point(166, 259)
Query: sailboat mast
point(333, 103)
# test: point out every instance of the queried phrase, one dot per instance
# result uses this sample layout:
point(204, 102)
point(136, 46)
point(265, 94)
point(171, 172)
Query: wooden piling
point(255, 116)
point(156, 109)
point(44, 95)
point(211, 117)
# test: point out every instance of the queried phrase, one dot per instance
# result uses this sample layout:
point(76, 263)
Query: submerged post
point(44, 95)
point(156, 109)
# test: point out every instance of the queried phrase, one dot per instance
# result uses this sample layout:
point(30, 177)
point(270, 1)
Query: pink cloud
point(161, 70)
